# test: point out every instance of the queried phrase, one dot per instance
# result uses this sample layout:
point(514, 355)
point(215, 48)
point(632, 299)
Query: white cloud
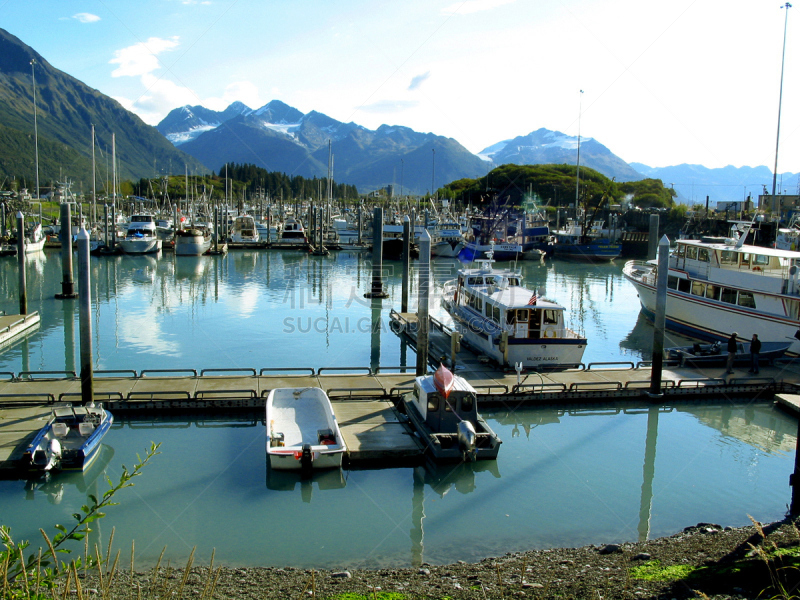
point(473, 6)
point(86, 17)
point(418, 80)
point(141, 59)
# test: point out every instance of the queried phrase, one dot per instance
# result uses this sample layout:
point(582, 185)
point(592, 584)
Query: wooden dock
point(12, 327)
point(364, 401)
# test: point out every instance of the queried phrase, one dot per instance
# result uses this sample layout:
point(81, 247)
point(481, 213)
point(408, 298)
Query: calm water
point(562, 477)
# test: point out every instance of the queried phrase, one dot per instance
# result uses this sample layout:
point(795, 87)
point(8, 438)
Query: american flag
point(533, 299)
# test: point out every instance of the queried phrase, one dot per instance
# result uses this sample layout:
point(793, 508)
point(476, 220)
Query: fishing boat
point(302, 432)
point(718, 285)
point(70, 439)
point(712, 355)
point(34, 238)
point(594, 245)
point(293, 233)
point(193, 241)
point(141, 236)
point(447, 240)
point(443, 410)
point(509, 323)
point(244, 230)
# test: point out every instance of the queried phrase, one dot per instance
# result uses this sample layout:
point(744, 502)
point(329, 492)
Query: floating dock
point(14, 326)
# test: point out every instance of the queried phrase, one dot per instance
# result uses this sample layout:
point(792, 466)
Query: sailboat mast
point(775, 207)
point(94, 183)
point(35, 126)
point(578, 171)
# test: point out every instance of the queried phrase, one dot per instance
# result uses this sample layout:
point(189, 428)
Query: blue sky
point(686, 81)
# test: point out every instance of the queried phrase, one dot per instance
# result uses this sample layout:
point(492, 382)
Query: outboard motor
point(306, 460)
point(53, 454)
point(467, 440)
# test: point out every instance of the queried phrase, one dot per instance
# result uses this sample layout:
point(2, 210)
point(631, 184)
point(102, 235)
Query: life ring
point(550, 332)
point(756, 268)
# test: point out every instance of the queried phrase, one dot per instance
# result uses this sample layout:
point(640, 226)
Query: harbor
point(211, 336)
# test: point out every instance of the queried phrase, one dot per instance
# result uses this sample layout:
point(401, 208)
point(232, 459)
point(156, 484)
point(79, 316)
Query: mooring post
point(652, 240)
point(376, 290)
point(105, 223)
point(23, 285)
point(85, 317)
point(422, 306)
point(67, 283)
point(661, 316)
point(406, 263)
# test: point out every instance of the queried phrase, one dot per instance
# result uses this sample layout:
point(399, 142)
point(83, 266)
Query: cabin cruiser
point(293, 233)
point(194, 241)
point(141, 236)
point(717, 285)
point(509, 323)
point(244, 230)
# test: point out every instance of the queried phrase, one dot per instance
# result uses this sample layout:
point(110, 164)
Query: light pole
point(433, 172)
point(35, 126)
point(775, 208)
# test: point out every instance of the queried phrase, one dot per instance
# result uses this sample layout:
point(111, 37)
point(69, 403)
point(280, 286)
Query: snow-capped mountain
point(278, 137)
point(544, 146)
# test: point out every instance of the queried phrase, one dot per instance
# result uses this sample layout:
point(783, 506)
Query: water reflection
point(287, 481)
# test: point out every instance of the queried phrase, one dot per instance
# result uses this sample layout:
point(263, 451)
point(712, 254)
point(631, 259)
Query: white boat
point(443, 409)
point(302, 432)
point(193, 241)
point(447, 240)
point(271, 234)
point(244, 230)
point(716, 286)
point(141, 236)
point(293, 233)
point(34, 238)
point(70, 439)
point(509, 323)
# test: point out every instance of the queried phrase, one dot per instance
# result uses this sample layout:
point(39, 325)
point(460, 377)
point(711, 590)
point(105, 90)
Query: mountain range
point(281, 138)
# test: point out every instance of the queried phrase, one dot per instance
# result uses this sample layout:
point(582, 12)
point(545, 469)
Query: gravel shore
point(703, 561)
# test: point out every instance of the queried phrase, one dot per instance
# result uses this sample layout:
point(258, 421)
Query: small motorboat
point(716, 354)
point(302, 432)
point(443, 410)
point(70, 439)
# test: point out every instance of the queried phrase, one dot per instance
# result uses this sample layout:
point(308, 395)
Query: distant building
point(734, 207)
point(783, 202)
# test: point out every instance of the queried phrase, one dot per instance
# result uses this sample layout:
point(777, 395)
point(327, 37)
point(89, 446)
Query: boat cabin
point(443, 415)
point(77, 419)
point(506, 306)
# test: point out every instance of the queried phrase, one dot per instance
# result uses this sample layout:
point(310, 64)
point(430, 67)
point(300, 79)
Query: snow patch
point(182, 137)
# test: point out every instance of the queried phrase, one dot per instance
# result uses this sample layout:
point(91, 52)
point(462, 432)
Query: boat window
point(513, 281)
point(511, 317)
point(550, 317)
point(691, 252)
point(496, 313)
point(746, 299)
point(672, 282)
point(727, 257)
point(681, 250)
point(761, 260)
point(416, 391)
point(522, 315)
point(745, 260)
point(468, 403)
point(712, 291)
point(698, 288)
point(792, 308)
point(475, 281)
point(433, 402)
point(488, 310)
point(490, 281)
point(684, 285)
point(702, 254)
point(728, 295)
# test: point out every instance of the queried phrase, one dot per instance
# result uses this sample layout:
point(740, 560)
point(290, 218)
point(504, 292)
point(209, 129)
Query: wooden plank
point(789, 401)
point(372, 431)
point(17, 427)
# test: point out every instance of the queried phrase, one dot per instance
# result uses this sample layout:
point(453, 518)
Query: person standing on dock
point(731, 352)
point(755, 350)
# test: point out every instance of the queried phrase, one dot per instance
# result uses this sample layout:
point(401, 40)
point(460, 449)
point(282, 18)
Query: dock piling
point(23, 284)
point(423, 323)
point(85, 317)
point(660, 317)
point(67, 283)
point(652, 241)
point(406, 263)
point(376, 290)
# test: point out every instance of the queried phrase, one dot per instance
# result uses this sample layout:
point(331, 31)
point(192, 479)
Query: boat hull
point(191, 245)
point(302, 432)
point(140, 246)
point(706, 319)
point(592, 252)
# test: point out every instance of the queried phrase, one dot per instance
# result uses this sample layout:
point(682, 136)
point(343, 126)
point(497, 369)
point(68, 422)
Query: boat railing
point(355, 393)
point(97, 396)
point(226, 394)
point(699, 382)
point(540, 387)
point(348, 369)
point(594, 386)
point(162, 372)
point(646, 383)
point(118, 372)
point(46, 375)
point(309, 370)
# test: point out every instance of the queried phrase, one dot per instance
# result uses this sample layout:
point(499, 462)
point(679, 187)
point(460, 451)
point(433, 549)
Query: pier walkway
point(364, 401)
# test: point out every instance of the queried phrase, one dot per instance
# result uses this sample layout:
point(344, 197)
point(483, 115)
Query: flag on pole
point(532, 301)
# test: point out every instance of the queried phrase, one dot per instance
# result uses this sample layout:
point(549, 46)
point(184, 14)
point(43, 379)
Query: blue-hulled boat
point(70, 439)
